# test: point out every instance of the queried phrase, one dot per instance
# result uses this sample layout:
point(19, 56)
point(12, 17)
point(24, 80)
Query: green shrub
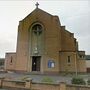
point(47, 80)
point(88, 82)
point(78, 81)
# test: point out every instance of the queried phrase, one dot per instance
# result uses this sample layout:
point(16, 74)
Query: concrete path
point(39, 78)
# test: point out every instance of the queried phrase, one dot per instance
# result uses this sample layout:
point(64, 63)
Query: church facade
point(44, 46)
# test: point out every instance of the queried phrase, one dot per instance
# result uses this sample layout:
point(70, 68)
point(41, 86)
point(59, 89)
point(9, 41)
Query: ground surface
point(38, 78)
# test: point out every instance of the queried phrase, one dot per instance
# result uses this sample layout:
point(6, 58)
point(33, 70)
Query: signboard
point(51, 64)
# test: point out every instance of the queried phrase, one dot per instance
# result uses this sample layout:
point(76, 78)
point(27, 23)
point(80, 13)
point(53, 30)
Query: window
point(11, 59)
point(81, 56)
point(36, 39)
point(37, 29)
point(51, 64)
point(69, 59)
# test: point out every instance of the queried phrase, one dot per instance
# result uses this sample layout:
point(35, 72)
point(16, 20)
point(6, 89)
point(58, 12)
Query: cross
point(37, 4)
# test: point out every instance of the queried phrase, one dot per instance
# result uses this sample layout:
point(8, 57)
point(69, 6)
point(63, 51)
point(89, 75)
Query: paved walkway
point(39, 78)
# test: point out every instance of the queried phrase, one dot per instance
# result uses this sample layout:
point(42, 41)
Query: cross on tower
point(37, 4)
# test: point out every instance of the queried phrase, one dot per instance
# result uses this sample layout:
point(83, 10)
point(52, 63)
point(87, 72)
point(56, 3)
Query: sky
point(74, 14)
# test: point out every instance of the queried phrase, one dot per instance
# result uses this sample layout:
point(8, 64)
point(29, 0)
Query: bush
point(47, 80)
point(79, 81)
point(88, 82)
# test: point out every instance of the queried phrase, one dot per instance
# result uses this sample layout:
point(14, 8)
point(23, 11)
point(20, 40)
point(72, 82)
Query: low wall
point(9, 83)
point(29, 85)
point(77, 87)
point(43, 86)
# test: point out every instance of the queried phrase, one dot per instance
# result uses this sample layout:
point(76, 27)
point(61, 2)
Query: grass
point(47, 80)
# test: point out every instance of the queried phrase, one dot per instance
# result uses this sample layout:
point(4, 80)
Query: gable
point(37, 12)
point(40, 16)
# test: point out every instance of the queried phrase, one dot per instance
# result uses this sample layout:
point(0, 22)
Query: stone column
point(28, 83)
point(62, 86)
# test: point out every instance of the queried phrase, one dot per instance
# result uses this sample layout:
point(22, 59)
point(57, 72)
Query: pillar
point(1, 82)
point(28, 83)
point(62, 86)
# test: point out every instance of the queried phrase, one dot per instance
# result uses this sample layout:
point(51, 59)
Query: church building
point(45, 46)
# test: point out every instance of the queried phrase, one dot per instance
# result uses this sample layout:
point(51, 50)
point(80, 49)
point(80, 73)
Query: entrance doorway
point(36, 63)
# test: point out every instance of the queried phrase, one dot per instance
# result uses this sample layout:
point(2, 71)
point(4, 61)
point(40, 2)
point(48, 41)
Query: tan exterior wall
point(45, 64)
point(58, 44)
point(51, 36)
point(67, 40)
point(88, 63)
point(64, 65)
point(22, 47)
point(10, 61)
point(81, 62)
point(81, 65)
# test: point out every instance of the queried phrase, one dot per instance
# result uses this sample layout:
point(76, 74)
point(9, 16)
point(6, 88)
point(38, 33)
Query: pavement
point(39, 77)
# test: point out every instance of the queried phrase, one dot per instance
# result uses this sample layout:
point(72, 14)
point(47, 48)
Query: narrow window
point(11, 59)
point(81, 56)
point(69, 59)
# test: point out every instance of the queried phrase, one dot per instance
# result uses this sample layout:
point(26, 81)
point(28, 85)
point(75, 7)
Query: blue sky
point(75, 15)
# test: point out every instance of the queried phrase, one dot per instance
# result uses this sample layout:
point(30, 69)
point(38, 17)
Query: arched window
point(37, 29)
point(36, 39)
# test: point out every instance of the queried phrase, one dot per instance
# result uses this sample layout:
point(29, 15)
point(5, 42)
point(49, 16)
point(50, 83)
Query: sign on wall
point(51, 64)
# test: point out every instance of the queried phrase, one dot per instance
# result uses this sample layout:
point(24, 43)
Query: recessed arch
point(36, 45)
point(36, 39)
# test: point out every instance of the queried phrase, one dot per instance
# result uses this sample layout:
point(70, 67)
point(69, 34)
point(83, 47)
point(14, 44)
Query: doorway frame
point(36, 63)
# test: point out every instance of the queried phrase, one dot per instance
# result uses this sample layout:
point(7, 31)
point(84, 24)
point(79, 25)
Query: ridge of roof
point(37, 9)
